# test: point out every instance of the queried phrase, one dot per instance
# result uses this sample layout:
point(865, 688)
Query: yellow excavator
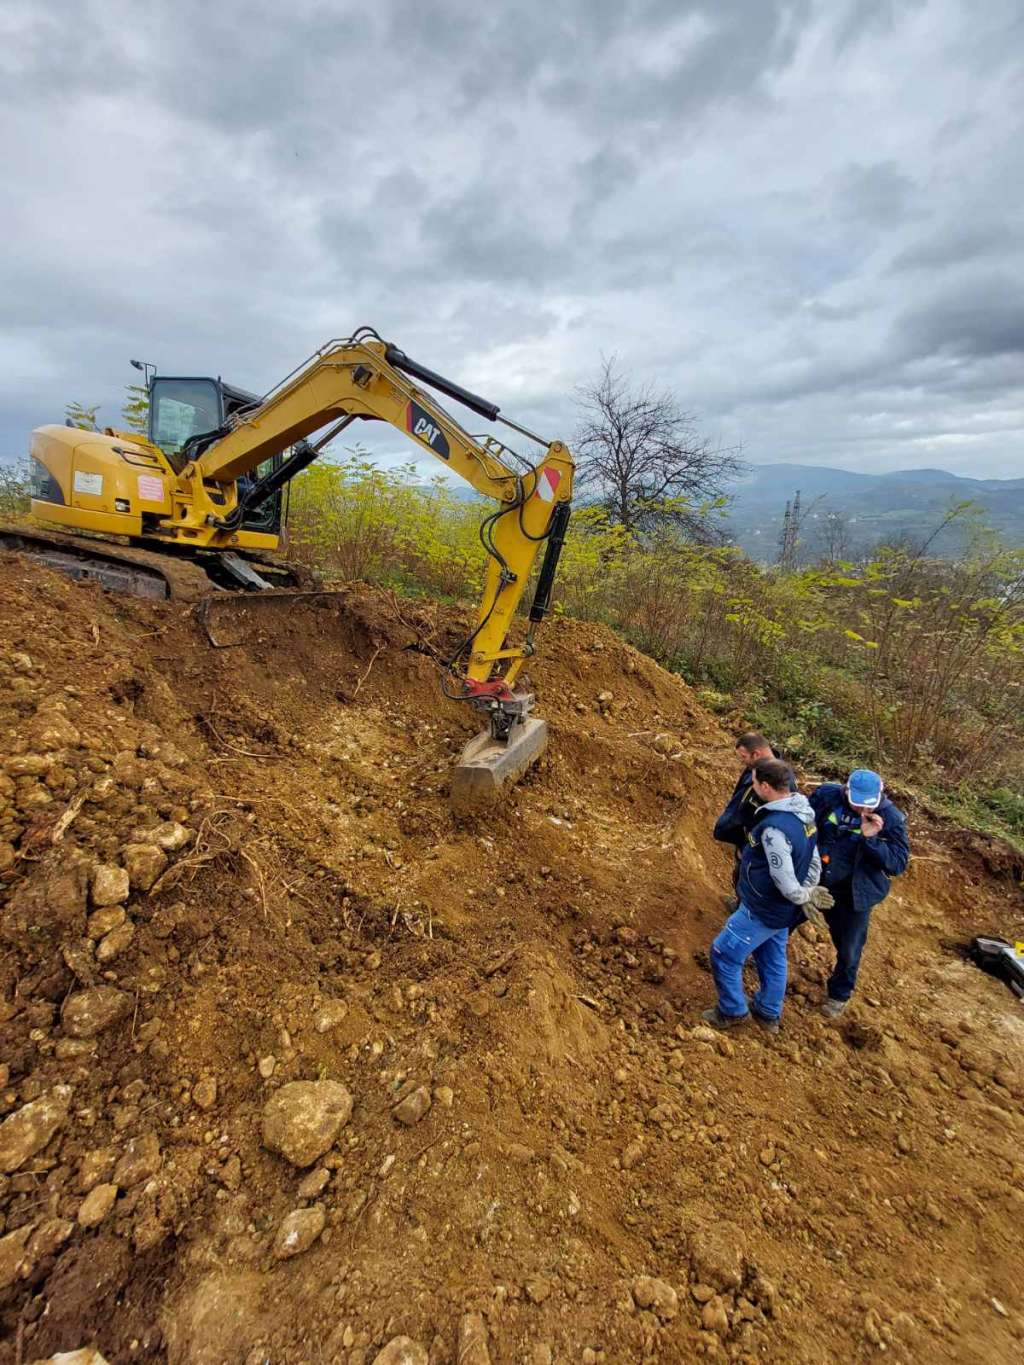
point(193, 509)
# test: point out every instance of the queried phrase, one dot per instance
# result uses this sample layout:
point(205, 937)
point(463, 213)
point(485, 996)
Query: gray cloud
point(799, 214)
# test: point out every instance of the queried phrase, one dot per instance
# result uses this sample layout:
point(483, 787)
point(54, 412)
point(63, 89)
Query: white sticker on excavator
point(88, 483)
point(151, 489)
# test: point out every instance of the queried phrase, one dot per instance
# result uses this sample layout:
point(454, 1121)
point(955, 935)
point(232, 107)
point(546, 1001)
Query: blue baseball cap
point(864, 788)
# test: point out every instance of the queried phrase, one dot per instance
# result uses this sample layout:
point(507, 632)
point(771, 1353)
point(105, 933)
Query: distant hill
point(874, 506)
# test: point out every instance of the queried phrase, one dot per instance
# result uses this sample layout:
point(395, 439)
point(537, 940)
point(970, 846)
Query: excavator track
point(157, 575)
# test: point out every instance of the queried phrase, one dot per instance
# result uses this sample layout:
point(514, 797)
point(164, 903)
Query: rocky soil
point(296, 1067)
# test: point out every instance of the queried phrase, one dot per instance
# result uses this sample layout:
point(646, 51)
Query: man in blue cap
point(862, 839)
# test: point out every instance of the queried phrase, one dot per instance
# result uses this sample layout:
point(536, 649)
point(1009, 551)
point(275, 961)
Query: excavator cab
point(181, 407)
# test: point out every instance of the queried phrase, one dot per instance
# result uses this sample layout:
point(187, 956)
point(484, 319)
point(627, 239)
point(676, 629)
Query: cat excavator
point(193, 510)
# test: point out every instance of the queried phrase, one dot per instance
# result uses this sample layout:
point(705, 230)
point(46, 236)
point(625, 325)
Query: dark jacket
point(758, 887)
point(857, 870)
point(737, 820)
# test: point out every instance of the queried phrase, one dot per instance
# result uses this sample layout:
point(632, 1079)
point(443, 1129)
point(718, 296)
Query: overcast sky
point(805, 218)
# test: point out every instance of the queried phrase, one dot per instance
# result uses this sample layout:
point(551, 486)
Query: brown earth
point(523, 989)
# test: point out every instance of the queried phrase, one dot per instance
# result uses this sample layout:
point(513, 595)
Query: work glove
point(821, 898)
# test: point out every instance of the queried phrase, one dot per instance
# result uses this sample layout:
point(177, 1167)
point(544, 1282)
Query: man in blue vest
point(736, 821)
point(778, 887)
point(863, 842)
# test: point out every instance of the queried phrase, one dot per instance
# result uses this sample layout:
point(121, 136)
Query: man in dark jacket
point(779, 873)
point(736, 821)
point(862, 838)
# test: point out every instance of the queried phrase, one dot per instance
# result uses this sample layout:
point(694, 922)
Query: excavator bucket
point(488, 766)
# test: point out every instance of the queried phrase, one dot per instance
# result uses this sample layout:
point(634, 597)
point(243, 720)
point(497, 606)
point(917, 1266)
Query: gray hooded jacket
point(779, 851)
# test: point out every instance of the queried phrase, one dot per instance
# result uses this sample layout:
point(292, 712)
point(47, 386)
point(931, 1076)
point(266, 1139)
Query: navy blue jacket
point(756, 889)
point(737, 820)
point(857, 870)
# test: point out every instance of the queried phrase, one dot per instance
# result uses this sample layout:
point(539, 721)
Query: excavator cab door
point(181, 407)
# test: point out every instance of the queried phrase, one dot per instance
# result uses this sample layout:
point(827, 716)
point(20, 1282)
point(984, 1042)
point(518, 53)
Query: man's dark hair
point(752, 740)
point(775, 772)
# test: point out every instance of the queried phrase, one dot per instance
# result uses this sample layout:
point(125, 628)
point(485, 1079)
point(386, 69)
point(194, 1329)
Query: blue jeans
point(849, 930)
point(744, 935)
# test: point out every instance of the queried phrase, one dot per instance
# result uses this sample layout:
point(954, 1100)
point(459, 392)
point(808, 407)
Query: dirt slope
point(532, 981)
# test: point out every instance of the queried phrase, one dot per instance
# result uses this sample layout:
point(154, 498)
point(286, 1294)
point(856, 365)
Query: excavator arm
point(364, 377)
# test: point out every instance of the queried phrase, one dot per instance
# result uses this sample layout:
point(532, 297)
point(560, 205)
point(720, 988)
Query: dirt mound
point(227, 870)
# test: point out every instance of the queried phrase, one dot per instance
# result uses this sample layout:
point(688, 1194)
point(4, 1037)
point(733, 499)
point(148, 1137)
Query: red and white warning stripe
point(547, 483)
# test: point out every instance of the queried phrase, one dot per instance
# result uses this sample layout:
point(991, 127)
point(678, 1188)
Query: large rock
point(402, 1351)
point(655, 1294)
point(30, 1128)
point(141, 1159)
point(87, 1013)
point(109, 885)
point(96, 1205)
point(303, 1118)
point(298, 1231)
point(144, 863)
point(116, 942)
point(716, 1254)
point(15, 1258)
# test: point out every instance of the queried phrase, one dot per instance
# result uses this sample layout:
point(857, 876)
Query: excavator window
point(180, 408)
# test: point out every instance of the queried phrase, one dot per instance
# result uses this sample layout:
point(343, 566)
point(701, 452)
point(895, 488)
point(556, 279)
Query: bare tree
point(642, 454)
point(834, 538)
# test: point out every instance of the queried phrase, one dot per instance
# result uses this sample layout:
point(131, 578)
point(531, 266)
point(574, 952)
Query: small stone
point(204, 1093)
point(109, 885)
point(143, 863)
point(1000, 1308)
point(298, 1231)
point(444, 1095)
point(313, 1185)
point(537, 1291)
point(89, 1012)
point(540, 1354)
point(703, 1034)
point(141, 1159)
point(767, 1156)
point(96, 1165)
point(657, 1295)
point(663, 744)
point(702, 1292)
point(96, 1205)
point(401, 1351)
point(101, 922)
point(413, 1107)
point(7, 855)
point(48, 1237)
point(903, 1143)
point(714, 1317)
point(266, 1066)
point(472, 1348)
point(170, 836)
point(30, 1128)
point(115, 943)
point(302, 1120)
point(330, 1015)
point(631, 1155)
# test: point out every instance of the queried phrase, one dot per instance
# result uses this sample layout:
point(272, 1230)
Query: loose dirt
point(525, 1147)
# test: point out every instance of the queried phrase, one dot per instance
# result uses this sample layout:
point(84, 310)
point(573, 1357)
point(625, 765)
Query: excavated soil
point(525, 987)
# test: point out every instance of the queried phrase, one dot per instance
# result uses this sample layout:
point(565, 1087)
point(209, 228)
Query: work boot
point(832, 1009)
point(766, 1022)
point(717, 1019)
